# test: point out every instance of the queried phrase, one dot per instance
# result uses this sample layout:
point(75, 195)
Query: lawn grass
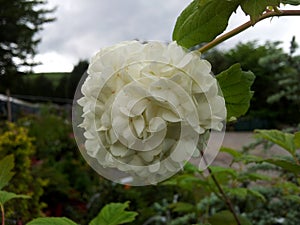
point(54, 77)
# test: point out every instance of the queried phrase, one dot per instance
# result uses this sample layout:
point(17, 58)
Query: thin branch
point(246, 25)
point(223, 194)
point(2, 213)
point(225, 197)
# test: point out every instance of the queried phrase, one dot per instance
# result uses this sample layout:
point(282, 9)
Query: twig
point(246, 25)
point(2, 213)
point(225, 197)
point(220, 189)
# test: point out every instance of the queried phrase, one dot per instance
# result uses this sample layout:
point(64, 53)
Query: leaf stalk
point(2, 214)
point(246, 25)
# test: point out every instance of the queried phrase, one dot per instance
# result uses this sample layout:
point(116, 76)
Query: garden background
point(36, 128)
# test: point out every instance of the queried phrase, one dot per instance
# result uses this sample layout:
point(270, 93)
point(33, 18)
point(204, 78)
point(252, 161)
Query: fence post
point(9, 116)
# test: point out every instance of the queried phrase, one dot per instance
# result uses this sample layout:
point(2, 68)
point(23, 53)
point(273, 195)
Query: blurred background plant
point(50, 170)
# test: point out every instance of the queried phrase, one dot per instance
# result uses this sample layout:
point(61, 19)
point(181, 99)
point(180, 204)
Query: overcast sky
point(84, 26)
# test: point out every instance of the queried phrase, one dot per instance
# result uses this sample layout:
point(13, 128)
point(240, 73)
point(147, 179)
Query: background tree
point(20, 21)
point(75, 77)
point(277, 79)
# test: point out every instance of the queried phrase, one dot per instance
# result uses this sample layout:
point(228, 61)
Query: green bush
point(15, 140)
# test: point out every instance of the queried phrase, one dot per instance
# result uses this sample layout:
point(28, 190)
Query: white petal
point(139, 125)
point(154, 167)
point(118, 150)
point(156, 124)
point(169, 115)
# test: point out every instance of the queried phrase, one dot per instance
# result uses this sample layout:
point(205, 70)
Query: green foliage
point(114, 214)
point(285, 69)
point(15, 140)
point(235, 85)
point(252, 183)
point(75, 77)
point(287, 165)
point(52, 221)
point(111, 214)
point(271, 65)
point(297, 139)
point(71, 183)
point(291, 2)
point(183, 207)
point(285, 140)
point(20, 22)
point(202, 21)
point(6, 165)
point(226, 217)
point(255, 8)
point(6, 196)
point(50, 87)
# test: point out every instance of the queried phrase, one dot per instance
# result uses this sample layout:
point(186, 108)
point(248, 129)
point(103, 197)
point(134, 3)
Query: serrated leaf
point(284, 164)
point(255, 8)
point(114, 214)
point(182, 207)
point(6, 196)
point(52, 221)
point(235, 85)
point(297, 140)
point(6, 165)
point(202, 21)
point(226, 217)
point(291, 2)
point(284, 140)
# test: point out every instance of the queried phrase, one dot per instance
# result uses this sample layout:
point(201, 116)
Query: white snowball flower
point(145, 106)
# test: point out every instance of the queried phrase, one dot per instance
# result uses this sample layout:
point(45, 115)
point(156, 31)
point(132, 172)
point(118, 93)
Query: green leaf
point(226, 217)
point(51, 221)
point(234, 153)
point(297, 140)
point(182, 207)
point(190, 168)
point(186, 181)
point(220, 169)
point(285, 140)
point(291, 2)
point(284, 164)
point(235, 85)
point(256, 194)
point(255, 8)
point(295, 198)
point(288, 187)
point(202, 21)
point(249, 159)
point(237, 192)
point(6, 165)
point(6, 196)
point(114, 214)
point(253, 177)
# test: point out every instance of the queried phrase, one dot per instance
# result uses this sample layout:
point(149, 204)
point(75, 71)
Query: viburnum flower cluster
point(145, 106)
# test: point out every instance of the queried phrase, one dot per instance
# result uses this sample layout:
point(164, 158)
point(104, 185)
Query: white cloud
point(53, 62)
point(271, 29)
point(83, 27)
